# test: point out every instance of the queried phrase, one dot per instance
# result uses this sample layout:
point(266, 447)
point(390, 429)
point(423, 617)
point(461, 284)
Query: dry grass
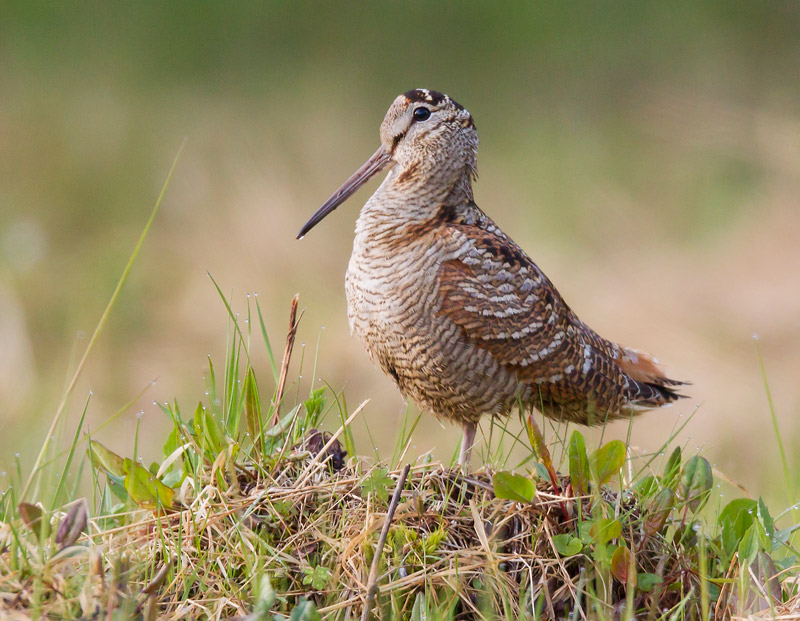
point(255, 513)
point(308, 531)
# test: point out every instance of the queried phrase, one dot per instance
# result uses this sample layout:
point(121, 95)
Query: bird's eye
point(422, 114)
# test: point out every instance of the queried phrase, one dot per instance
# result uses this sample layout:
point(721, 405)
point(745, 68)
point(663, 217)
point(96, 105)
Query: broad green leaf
point(567, 545)
point(645, 582)
point(696, 482)
point(265, 597)
point(736, 507)
point(657, 511)
point(317, 577)
point(514, 487)
point(174, 440)
point(105, 460)
point(735, 518)
point(173, 478)
point(749, 546)
point(585, 532)
point(782, 536)
point(117, 486)
point(215, 431)
point(605, 529)
point(541, 471)
point(578, 464)
point(419, 612)
point(283, 424)
point(602, 553)
point(766, 519)
point(378, 483)
point(305, 611)
point(607, 461)
point(145, 489)
point(621, 564)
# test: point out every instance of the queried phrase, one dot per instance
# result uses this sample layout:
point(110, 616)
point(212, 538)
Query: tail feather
point(651, 395)
point(642, 367)
point(651, 387)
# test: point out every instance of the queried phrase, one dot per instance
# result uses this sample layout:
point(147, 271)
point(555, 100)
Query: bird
point(452, 309)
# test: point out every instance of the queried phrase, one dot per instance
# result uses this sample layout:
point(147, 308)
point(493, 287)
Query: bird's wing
point(506, 305)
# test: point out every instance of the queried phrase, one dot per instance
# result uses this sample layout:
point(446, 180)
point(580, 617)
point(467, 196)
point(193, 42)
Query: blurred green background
point(646, 155)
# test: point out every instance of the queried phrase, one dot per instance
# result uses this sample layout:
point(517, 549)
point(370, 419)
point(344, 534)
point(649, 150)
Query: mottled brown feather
point(506, 305)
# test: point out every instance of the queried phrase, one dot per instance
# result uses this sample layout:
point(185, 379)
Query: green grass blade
point(102, 426)
point(231, 313)
point(787, 477)
point(275, 370)
point(99, 327)
point(55, 502)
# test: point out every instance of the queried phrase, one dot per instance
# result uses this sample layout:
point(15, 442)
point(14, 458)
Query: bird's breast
point(391, 286)
point(394, 303)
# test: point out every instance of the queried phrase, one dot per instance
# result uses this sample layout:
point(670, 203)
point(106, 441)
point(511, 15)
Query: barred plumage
point(452, 309)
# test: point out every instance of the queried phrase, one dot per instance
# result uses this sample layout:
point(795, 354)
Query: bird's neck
point(414, 194)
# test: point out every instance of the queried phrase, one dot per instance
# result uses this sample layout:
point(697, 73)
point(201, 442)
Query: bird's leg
point(466, 444)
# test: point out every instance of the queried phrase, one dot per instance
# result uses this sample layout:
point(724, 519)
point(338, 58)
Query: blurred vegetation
point(646, 155)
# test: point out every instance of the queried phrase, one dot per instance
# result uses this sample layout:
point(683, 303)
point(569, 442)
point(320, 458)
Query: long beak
point(371, 167)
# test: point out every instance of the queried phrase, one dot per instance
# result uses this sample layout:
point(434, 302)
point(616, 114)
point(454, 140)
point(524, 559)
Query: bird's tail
point(652, 388)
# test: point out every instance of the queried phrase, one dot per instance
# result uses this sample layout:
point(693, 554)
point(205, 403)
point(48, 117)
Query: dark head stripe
point(435, 98)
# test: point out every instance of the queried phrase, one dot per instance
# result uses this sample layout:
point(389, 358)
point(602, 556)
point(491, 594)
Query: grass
point(254, 511)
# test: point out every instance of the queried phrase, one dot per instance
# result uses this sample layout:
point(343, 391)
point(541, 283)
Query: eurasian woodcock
point(452, 309)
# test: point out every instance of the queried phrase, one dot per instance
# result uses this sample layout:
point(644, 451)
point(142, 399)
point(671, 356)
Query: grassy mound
point(301, 541)
point(258, 514)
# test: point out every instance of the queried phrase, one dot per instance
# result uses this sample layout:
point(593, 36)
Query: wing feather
point(506, 305)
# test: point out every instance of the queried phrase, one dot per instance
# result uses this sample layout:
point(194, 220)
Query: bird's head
point(424, 133)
